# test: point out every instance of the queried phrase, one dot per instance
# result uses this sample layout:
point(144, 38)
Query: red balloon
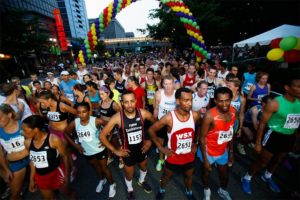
point(292, 56)
point(275, 43)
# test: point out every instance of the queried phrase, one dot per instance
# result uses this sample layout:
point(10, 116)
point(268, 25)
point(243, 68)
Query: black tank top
point(120, 86)
point(107, 112)
point(132, 136)
point(45, 159)
point(77, 103)
point(58, 115)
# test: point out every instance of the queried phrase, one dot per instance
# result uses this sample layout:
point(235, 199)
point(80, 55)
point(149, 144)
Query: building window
point(80, 26)
point(79, 21)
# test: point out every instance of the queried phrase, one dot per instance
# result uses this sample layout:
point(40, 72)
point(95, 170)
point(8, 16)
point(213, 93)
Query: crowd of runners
point(119, 111)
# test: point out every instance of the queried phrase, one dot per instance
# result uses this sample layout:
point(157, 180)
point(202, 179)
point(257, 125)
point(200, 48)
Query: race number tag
point(53, 116)
point(225, 136)
point(184, 146)
point(259, 97)
point(15, 144)
point(70, 97)
point(210, 92)
point(248, 86)
point(292, 121)
point(150, 94)
point(135, 137)
point(84, 135)
point(39, 159)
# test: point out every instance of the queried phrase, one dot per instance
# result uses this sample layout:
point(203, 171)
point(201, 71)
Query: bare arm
point(64, 107)
point(156, 104)
point(249, 97)
point(242, 112)
point(206, 123)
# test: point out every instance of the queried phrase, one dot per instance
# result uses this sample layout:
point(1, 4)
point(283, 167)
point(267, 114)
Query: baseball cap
point(49, 72)
point(64, 73)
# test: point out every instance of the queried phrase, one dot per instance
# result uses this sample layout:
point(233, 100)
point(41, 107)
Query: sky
point(133, 17)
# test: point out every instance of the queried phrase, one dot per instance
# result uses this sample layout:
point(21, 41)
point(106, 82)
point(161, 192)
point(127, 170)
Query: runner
point(150, 85)
point(14, 157)
point(200, 98)
point(140, 95)
point(81, 96)
point(216, 141)
point(120, 82)
point(260, 89)
point(248, 79)
point(49, 166)
point(66, 85)
point(280, 120)
point(135, 143)
point(239, 103)
point(181, 147)
point(92, 90)
point(190, 78)
point(164, 102)
point(87, 131)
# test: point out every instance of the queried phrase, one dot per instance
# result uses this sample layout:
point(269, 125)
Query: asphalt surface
point(86, 182)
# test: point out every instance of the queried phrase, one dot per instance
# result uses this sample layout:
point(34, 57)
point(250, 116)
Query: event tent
point(266, 37)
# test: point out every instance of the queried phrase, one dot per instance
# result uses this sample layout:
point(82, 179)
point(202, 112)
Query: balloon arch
point(110, 12)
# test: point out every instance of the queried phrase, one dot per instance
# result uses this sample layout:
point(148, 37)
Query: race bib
point(236, 105)
point(70, 97)
point(225, 136)
point(248, 86)
point(53, 116)
point(15, 144)
point(184, 146)
point(39, 159)
point(259, 97)
point(292, 121)
point(135, 137)
point(150, 94)
point(210, 92)
point(84, 135)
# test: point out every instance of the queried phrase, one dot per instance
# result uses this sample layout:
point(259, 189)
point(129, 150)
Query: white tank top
point(88, 137)
point(199, 102)
point(166, 104)
point(181, 138)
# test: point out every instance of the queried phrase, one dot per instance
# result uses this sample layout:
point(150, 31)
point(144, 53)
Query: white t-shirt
point(221, 76)
point(54, 82)
point(199, 102)
point(26, 113)
point(80, 74)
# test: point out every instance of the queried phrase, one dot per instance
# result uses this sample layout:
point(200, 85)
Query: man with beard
point(216, 145)
point(181, 148)
point(135, 143)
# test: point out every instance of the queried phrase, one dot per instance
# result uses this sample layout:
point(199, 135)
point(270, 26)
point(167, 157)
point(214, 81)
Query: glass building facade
point(73, 13)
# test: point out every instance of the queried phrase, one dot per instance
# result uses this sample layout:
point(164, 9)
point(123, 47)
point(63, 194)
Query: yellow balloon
point(95, 42)
point(128, 2)
point(275, 54)
point(198, 59)
point(81, 60)
point(297, 45)
point(94, 37)
point(80, 52)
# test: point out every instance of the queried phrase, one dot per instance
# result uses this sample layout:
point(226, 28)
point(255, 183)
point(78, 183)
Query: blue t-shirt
point(67, 88)
point(249, 81)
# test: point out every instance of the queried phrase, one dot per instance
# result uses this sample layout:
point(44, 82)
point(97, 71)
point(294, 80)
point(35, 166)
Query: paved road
point(86, 182)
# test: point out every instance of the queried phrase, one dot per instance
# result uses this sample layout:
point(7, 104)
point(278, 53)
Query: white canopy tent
point(266, 37)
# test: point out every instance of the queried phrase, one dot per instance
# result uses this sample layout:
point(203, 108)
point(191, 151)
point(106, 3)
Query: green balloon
point(288, 43)
point(87, 46)
point(194, 24)
point(86, 42)
point(101, 25)
point(88, 51)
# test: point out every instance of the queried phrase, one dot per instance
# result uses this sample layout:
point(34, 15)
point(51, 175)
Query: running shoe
point(130, 196)
point(147, 188)
point(159, 165)
point(272, 185)
point(241, 149)
point(112, 190)
point(101, 184)
point(121, 163)
point(224, 194)
point(160, 195)
point(246, 185)
point(110, 160)
point(190, 196)
point(207, 194)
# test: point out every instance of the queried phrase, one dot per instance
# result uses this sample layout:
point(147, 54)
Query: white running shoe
point(112, 190)
point(207, 194)
point(241, 149)
point(110, 160)
point(224, 194)
point(101, 184)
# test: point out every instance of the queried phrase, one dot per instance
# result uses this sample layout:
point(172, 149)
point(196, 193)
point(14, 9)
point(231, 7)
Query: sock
point(142, 176)
point(188, 192)
point(247, 177)
point(129, 185)
point(268, 174)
